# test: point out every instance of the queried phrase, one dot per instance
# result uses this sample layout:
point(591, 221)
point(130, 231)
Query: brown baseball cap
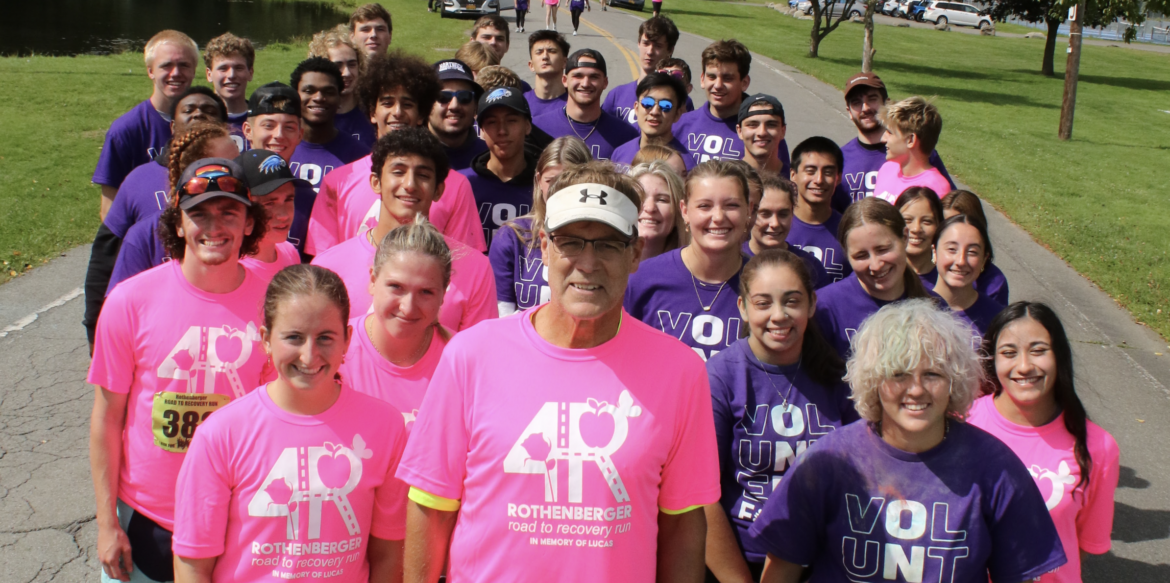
point(865, 80)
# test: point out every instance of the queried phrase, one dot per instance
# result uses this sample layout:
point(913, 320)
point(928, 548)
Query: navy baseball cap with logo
point(456, 70)
point(210, 178)
point(266, 171)
point(756, 101)
point(574, 61)
point(275, 97)
point(510, 97)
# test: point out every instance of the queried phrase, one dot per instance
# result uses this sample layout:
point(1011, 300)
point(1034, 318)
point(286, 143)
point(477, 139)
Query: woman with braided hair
point(141, 248)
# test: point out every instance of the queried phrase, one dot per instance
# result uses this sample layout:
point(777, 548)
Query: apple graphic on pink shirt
point(333, 469)
point(597, 427)
point(230, 345)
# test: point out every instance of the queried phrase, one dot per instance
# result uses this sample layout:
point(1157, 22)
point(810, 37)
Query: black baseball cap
point(265, 171)
point(509, 97)
point(774, 107)
point(456, 70)
point(220, 178)
point(275, 97)
point(574, 61)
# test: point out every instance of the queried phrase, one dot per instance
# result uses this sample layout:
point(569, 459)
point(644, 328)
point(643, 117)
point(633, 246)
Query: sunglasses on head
point(463, 96)
point(649, 102)
point(217, 175)
point(677, 74)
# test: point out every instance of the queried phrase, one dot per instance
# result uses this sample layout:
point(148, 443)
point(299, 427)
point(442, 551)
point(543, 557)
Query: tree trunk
point(814, 41)
point(1071, 73)
point(1050, 47)
point(867, 51)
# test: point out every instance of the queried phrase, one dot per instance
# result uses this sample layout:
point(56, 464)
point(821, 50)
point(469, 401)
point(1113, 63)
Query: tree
point(824, 8)
point(1054, 12)
point(867, 51)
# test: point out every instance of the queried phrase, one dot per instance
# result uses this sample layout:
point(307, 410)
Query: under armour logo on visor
point(586, 196)
point(271, 164)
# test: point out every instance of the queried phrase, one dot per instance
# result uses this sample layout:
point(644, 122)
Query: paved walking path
point(47, 531)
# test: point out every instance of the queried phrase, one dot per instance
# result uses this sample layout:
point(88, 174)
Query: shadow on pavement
point(1128, 478)
point(1134, 525)
point(1109, 568)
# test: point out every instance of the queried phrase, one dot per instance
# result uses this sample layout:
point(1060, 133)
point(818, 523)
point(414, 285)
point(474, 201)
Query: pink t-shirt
point(401, 386)
point(346, 203)
point(470, 297)
point(180, 353)
point(286, 255)
point(1084, 516)
point(562, 458)
point(278, 496)
point(890, 183)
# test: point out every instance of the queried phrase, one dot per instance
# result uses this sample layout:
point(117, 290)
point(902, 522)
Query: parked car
point(956, 13)
point(476, 8)
point(632, 4)
point(890, 7)
point(835, 9)
point(915, 10)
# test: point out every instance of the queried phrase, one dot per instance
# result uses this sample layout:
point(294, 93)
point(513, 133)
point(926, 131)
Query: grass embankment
point(1098, 201)
point(54, 112)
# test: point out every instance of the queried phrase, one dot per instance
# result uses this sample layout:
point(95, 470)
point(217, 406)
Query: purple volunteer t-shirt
point(843, 306)
point(816, 271)
point(142, 197)
point(539, 106)
point(521, 277)
point(141, 250)
point(979, 316)
point(766, 416)
point(311, 162)
point(602, 136)
point(499, 202)
point(855, 508)
point(991, 283)
point(236, 123)
point(620, 102)
point(707, 137)
point(133, 140)
point(859, 175)
point(623, 155)
point(664, 294)
point(461, 157)
point(356, 123)
point(821, 241)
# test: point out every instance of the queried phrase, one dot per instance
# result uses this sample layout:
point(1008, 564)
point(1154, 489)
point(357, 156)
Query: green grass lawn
point(1099, 201)
point(54, 112)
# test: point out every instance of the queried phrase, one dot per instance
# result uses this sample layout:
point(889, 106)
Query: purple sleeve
point(1024, 541)
point(993, 283)
point(722, 378)
point(141, 250)
point(115, 161)
point(792, 522)
point(121, 216)
point(610, 104)
point(938, 163)
point(503, 259)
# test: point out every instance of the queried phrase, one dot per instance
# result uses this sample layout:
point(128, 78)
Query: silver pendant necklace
point(791, 383)
point(574, 128)
point(706, 308)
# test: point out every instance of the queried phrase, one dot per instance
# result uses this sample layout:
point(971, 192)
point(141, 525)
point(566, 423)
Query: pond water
point(72, 27)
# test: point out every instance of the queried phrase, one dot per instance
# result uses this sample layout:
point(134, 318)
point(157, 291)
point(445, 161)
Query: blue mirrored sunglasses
point(649, 102)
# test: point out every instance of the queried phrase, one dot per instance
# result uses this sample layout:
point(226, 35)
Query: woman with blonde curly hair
point(912, 489)
point(336, 45)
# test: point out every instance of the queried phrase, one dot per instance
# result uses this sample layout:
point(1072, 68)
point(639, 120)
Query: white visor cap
point(592, 202)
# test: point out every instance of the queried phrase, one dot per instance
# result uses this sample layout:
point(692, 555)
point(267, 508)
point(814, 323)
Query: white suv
point(956, 13)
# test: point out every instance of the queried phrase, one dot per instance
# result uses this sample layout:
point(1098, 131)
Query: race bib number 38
point(175, 416)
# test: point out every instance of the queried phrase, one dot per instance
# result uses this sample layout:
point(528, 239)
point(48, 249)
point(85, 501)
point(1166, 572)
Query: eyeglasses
point(665, 104)
point(463, 96)
point(676, 73)
point(606, 249)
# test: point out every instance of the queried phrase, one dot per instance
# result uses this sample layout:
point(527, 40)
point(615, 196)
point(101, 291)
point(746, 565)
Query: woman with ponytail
point(873, 234)
point(783, 370)
point(141, 248)
point(1034, 409)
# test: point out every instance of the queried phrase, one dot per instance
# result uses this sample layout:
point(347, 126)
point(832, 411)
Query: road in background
point(47, 532)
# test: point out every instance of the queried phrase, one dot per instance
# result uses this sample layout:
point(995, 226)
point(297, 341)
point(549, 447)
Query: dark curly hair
point(398, 69)
point(411, 142)
point(176, 246)
point(316, 65)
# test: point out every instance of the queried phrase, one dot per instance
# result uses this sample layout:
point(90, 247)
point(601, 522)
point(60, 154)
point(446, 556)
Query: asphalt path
point(47, 530)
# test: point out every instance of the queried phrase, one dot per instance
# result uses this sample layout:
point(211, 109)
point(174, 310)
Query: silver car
point(835, 9)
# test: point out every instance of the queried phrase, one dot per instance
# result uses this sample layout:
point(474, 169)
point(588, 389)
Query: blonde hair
point(337, 36)
point(226, 45)
point(717, 168)
point(564, 151)
point(915, 115)
point(901, 336)
point(674, 183)
point(648, 154)
point(496, 76)
point(419, 236)
point(476, 56)
point(597, 172)
point(173, 37)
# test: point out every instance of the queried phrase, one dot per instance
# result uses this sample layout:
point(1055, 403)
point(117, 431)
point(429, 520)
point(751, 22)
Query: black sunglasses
point(463, 96)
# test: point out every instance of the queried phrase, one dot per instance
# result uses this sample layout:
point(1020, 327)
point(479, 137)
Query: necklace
point(574, 128)
point(426, 343)
point(791, 383)
point(706, 308)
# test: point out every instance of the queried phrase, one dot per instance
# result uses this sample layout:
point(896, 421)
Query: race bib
point(175, 416)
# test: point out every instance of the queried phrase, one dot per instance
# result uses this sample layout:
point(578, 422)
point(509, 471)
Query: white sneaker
point(574, 33)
